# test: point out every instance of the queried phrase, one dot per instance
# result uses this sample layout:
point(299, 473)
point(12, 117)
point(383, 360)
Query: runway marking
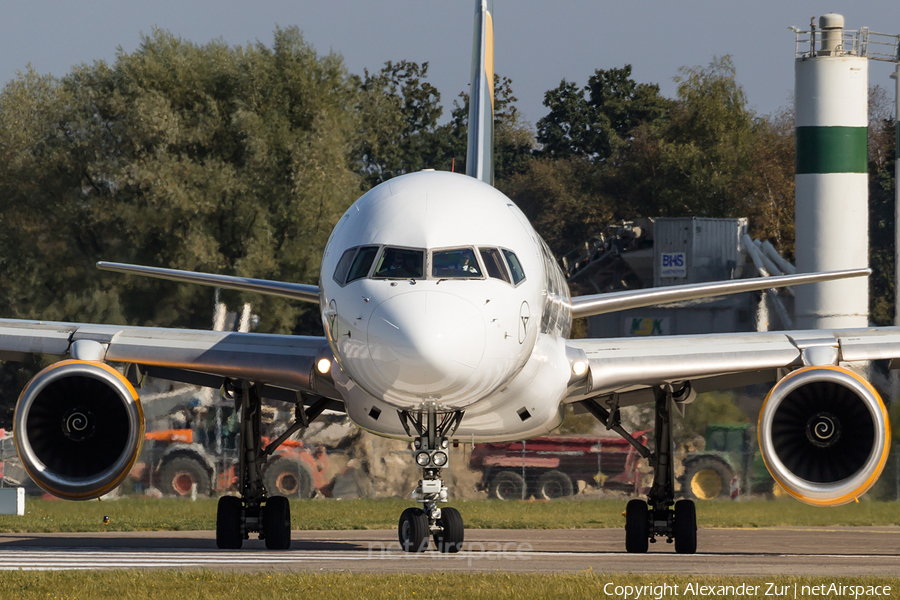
point(24, 558)
point(813, 528)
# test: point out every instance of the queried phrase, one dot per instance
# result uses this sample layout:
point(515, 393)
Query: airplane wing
point(599, 304)
point(823, 429)
point(282, 363)
point(630, 367)
point(294, 291)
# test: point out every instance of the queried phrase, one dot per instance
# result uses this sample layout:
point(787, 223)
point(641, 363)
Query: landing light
point(440, 459)
point(422, 459)
point(323, 366)
point(579, 367)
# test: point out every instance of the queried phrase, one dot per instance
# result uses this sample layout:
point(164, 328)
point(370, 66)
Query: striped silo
point(831, 103)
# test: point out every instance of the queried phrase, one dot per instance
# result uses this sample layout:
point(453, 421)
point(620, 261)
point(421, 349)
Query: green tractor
point(730, 464)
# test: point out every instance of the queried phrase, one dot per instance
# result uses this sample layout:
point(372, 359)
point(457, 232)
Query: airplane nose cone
point(425, 345)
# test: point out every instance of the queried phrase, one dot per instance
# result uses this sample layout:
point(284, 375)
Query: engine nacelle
point(78, 429)
point(824, 435)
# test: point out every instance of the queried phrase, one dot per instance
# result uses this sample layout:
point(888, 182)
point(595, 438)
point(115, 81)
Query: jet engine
point(78, 429)
point(824, 435)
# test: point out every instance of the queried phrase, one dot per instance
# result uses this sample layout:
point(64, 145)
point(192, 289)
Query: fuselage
point(437, 291)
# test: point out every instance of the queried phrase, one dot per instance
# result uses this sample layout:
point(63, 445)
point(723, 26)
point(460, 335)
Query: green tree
point(768, 181)
point(713, 157)
point(572, 191)
point(563, 200)
point(702, 154)
point(514, 141)
point(211, 158)
point(399, 112)
point(882, 156)
point(569, 128)
point(704, 147)
point(595, 121)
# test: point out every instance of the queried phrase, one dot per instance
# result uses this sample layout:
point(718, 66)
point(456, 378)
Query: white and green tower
point(831, 181)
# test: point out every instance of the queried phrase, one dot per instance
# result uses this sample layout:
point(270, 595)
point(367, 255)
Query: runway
point(836, 551)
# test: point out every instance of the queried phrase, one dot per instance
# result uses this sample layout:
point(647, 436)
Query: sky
point(537, 43)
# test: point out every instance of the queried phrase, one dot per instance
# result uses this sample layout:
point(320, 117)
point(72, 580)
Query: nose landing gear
point(431, 451)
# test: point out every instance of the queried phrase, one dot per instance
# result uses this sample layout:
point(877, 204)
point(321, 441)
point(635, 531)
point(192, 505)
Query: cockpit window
point(517, 273)
point(459, 263)
point(363, 263)
point(340, 272)
point(493, 263)
point(400, 263)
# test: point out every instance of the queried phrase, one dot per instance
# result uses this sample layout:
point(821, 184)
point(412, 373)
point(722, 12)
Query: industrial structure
point(675, 251)
point(831, 78)
point(831, 181)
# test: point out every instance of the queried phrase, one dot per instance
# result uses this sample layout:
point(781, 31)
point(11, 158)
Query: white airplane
point(447, 318)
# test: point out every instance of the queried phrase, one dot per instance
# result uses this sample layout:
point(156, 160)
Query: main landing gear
point(655, 517)
point(432, 453)
point(255, 511)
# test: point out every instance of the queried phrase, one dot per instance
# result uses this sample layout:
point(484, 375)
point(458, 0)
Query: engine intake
point(78, 429)
point(824, 435)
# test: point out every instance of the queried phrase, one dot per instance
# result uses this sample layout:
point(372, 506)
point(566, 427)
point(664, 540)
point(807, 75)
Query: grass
point(145, 514)
point(137, 585)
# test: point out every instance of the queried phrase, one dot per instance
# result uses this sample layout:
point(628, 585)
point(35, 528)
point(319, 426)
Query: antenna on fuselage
point(480, 145)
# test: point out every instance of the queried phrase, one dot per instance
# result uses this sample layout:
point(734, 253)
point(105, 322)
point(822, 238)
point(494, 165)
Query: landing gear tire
point(450, 538)
point(554, 484)
point(685, 527)
point(413, 530)
point(177, 476)
point(228, 523)
point(507, 485)
point(277, 522)
point(637, 537)
point(706, 479)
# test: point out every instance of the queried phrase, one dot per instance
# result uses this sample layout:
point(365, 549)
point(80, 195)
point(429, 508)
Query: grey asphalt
point(833, 551)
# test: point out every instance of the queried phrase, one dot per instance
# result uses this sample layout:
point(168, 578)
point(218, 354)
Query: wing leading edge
point(599, 304)
point(276, 360)
point(630, 366)
point(295, 291)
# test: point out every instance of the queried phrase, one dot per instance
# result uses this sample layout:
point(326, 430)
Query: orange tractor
point(174, 462)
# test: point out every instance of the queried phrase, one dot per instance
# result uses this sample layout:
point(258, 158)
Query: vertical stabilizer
point(480, 146)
